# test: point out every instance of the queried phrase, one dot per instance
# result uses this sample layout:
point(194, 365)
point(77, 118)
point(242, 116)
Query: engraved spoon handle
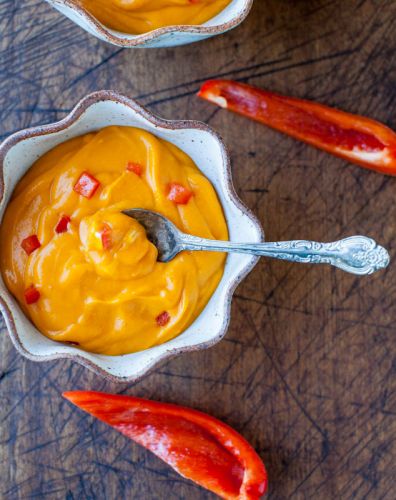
point(357, 254)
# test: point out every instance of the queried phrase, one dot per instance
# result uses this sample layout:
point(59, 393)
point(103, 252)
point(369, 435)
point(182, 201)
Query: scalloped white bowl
point(169, 36)
point(204, 146)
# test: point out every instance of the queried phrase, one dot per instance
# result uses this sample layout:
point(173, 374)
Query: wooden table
point(307, 370)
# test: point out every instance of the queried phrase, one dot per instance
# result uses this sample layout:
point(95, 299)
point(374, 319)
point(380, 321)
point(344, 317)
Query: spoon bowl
point(162, 233)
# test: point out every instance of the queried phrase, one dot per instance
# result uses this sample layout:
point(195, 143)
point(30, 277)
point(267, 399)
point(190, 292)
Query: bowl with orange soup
point(79, 279)
point(154, 23)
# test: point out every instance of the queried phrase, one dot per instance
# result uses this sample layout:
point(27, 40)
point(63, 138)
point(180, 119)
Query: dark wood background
point(307, 370)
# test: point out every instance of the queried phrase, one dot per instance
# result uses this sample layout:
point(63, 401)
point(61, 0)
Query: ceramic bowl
point(169, 36)
point(204, 146)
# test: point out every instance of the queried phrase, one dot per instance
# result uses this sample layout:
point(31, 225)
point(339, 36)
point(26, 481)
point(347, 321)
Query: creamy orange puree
point(141, 16)
point(111, 299)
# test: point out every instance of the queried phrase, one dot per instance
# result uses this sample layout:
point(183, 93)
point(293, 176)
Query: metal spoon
point(357, 254)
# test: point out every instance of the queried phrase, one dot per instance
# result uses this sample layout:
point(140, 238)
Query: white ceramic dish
point(169, 36)
point(203, 145)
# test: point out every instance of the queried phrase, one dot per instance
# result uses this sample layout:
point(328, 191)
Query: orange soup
point(85, 273)
point(141, 16)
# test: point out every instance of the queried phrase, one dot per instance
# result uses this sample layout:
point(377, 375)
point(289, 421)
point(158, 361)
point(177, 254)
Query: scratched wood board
point(307, 370)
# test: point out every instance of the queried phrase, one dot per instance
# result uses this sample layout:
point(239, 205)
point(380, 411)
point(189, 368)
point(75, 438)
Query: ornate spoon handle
point(356, 255)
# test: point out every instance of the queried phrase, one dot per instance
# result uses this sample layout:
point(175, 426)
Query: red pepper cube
point(179, 194)
point(163, 318)
point(32, 295)
point(86, 185)
point(105, 235)
point(136, 168)
point(30, 244)
point(62, 225)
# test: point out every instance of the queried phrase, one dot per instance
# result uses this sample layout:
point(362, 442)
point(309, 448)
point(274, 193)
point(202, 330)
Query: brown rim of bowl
point(120, 40)
point(64, 124)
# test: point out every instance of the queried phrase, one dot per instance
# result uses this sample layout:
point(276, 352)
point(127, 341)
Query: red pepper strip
point(196, 445)
point(30, 244)
point(357, 139)
point(178, 193)
point(86, 185)
point(63, 222)
point(32, 295)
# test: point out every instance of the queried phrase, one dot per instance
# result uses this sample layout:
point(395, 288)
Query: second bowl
point(169, 36)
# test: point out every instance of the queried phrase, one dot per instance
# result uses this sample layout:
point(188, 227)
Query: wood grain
point(307, 370)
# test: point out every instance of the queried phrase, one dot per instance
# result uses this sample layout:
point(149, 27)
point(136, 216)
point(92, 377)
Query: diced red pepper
point(196, 445)
point(355, 138)
point(106, 236)
point(163, 318)
point(62, 225)
point(86, 185)
point(136, 168)
point(178, 193)
point(30, 244)
point(32, 295)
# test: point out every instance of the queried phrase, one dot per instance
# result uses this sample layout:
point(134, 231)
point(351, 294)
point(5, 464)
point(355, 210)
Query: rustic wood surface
point(307, 370)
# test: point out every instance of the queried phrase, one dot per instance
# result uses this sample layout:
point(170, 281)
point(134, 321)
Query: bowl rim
point(161, 123)
point(130, 40)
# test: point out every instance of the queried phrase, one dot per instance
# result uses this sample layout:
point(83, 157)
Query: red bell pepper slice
point(196, 445)
point(163, 318)
point(357, 139)
point(30, 244)
point(136, 168)
point(62, 225)
point(105, 235)
point(32, 295)
point(86, 185)
point(178, 193)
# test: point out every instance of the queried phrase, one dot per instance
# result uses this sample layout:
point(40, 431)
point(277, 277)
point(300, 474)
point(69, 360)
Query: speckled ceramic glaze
point(169, 36)
point(204, 146)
